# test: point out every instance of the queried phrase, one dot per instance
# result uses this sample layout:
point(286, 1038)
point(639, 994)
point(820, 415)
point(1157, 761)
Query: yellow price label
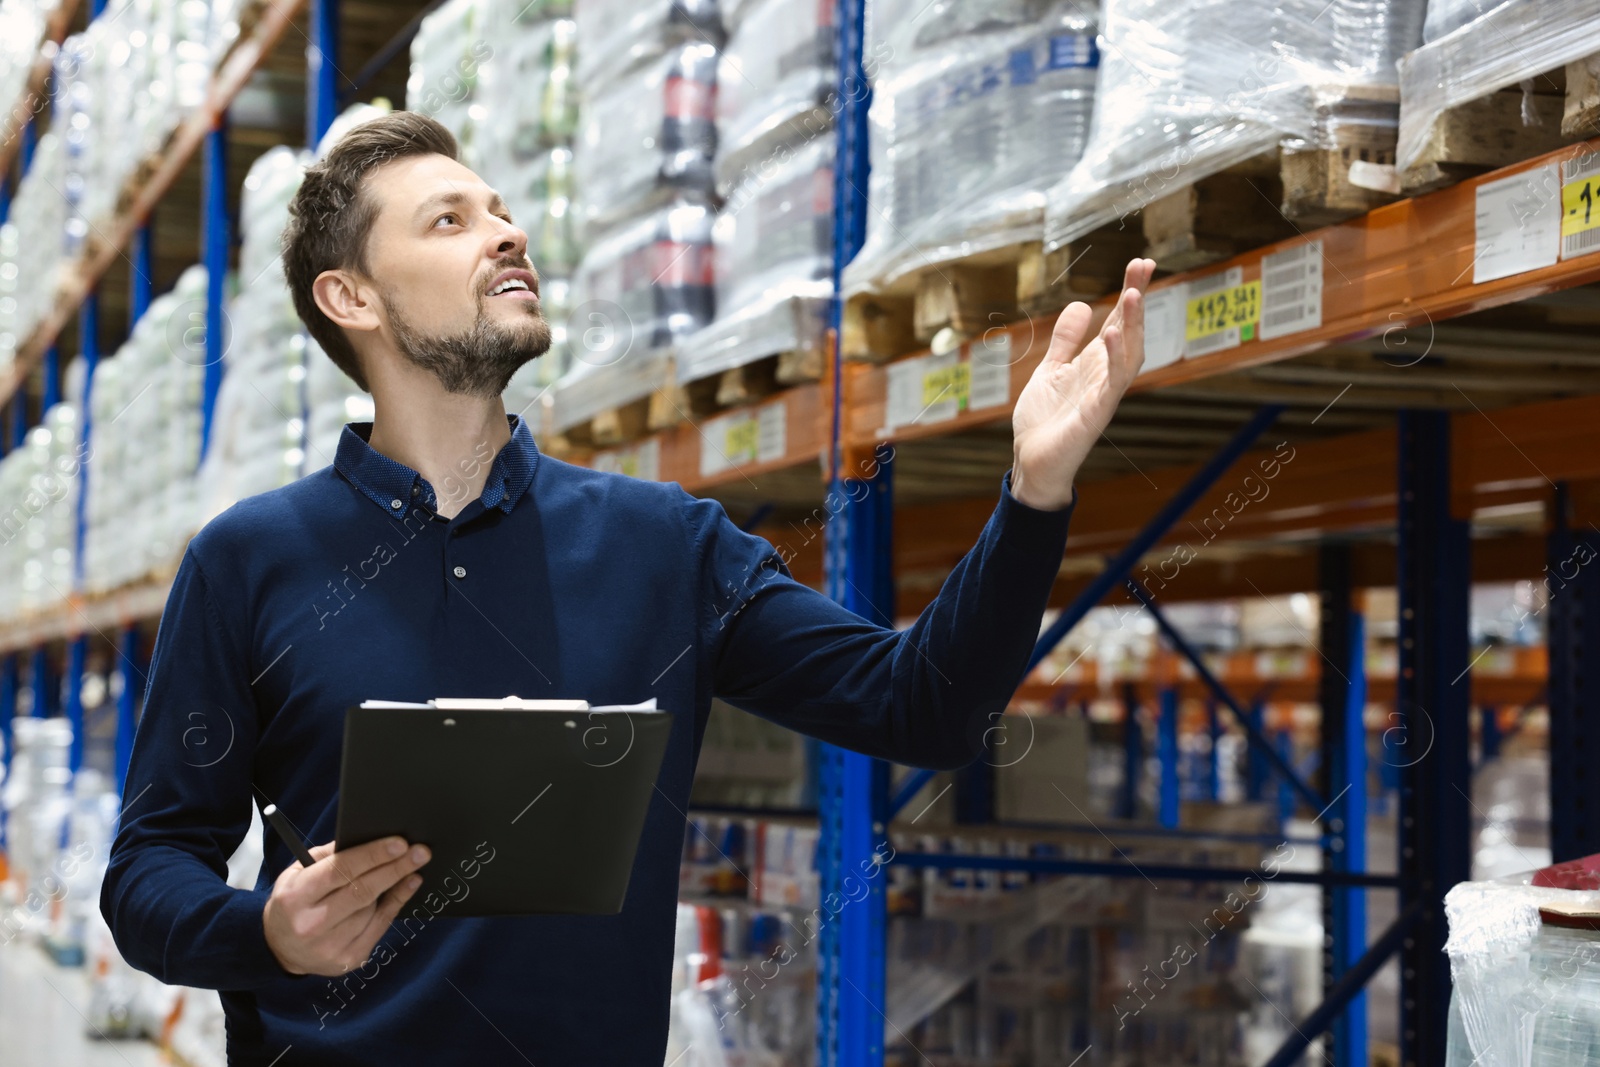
point(1579, 212)
point(628, 463)
point(948, 383)
point(1237, 307)
point(741, 439)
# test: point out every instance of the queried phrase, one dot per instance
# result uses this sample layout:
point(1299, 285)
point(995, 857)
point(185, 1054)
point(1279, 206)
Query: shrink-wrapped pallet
point(976, 110)
point(1190, 88)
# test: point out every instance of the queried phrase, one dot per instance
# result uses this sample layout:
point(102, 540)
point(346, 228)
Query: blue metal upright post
point(853, 806)
point(1573, 579)
point(853, 790)
point(1489, 736)
point(1167, 750)
point(141, 279)
point(1258, 772)
point(1286, 798)
point(5, 197)
point(1214, 731)
point(214, 228)
point(50, 375)
point(1432, 701)
point(322, 70)
point(1342, 694)
point(128, 699)
point(42, 683)
point(89, 346)
point(1132, 754)
point(8, 712)
point(77, 661)
point(19, 416)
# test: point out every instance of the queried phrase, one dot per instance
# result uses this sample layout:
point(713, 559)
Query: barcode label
point(732, 440)
point(1580, 214)
point(1291, 290)
point(991, 372)
point(641, 461)
point(1163, 325)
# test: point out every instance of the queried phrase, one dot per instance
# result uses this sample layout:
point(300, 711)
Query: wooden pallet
point(1489, 132)
point(969, 296)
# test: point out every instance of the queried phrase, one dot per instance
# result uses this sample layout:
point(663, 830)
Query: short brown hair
point(330, 216)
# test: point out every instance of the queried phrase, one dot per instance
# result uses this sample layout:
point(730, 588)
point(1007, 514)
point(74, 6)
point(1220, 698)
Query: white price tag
point(1518, 224)
point(1163, 325)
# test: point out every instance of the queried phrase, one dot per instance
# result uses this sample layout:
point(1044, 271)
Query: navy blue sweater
point(558, 581)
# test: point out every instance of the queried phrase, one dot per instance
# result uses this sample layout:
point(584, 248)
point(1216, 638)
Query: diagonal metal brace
point(1218, 690)
point(1345, 990)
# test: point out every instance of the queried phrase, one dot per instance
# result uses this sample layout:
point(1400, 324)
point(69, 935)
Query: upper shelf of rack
point(1412, 263)
point(111, 240)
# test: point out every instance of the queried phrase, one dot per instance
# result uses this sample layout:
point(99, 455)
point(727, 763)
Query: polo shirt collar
point(394, 487)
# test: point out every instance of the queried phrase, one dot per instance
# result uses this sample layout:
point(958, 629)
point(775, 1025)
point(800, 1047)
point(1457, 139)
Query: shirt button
point(395, 503)
point(460, 572)
point(415, 489)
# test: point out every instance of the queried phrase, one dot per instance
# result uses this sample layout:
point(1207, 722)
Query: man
point(442, 555)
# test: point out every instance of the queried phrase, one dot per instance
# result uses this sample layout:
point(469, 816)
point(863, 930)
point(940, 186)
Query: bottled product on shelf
point(447, 57)
point(258, 429)
point(144, 494)
point(773, 244)
point(976, 111)
point(639, 289)
point(622, 34)
point(1191, 88)
point(776, 84)
point(123, 86)
point(22, 26)
point(647, 137)
point(38, 530)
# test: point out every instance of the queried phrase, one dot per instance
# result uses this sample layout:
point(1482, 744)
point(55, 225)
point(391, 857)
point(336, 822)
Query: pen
point(289, 837)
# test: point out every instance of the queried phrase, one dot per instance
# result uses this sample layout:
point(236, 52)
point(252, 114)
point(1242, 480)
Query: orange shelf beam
point(1404, 264)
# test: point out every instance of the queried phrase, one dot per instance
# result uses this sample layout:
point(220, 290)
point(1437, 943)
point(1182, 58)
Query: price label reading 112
point(1580, 214)
point(1237, 307)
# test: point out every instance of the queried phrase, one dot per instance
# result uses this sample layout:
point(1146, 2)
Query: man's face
point(460, 296)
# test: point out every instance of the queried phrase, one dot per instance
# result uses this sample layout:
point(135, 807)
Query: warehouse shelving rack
point(1397, 268)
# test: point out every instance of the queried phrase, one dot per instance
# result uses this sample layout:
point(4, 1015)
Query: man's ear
point(345, 300)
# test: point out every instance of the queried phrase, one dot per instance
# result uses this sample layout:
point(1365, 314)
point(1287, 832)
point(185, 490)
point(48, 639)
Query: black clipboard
point(529, 807)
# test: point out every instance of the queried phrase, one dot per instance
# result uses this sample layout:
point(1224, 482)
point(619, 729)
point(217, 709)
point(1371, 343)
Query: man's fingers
point(1133, 331)
point(341, 868)
point(365, 891)
point(1071, 326)
point(383, 915)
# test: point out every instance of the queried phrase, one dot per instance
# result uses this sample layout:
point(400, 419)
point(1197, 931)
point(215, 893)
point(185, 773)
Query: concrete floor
point(42, 1021)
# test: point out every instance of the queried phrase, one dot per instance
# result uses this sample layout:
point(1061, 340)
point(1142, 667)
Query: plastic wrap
point(448, 55)
point(1511, 42)
point(144, 496)
point(1189, 89)
point(619, 35)
point(1446, 16)
point(640, 288)
point(40, 481)
point(646, 137)
point(22, 27)
point(970, 125)
point(778, 75)
point(258, 430)
point(774, 263)
point(529, 97)
point(121, 87)
point(1526, 992)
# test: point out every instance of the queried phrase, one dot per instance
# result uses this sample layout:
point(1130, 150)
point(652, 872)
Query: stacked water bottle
point(500, 75)
point(643, 170)
point(121, 87)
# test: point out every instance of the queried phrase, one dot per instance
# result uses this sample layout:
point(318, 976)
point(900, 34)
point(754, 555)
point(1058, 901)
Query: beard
point(477, 362)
